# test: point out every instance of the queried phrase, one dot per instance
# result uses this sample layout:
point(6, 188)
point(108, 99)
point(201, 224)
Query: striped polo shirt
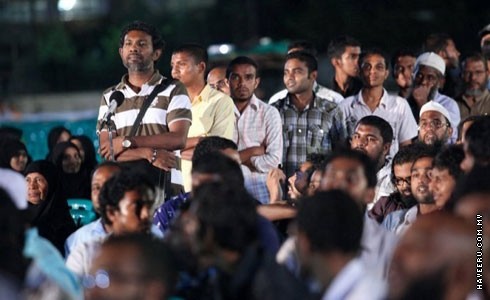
point(170, 105)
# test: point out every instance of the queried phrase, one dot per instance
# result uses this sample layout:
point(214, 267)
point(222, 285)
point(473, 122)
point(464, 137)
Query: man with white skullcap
point(434, 124)
point(428, 72)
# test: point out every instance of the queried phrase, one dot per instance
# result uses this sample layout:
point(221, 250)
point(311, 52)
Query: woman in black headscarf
point(49, 213)
point(74, 180)
point(56, 135)
point(13, 155)
point(87, 151)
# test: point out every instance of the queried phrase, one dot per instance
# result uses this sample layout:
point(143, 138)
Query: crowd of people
point(208, 192)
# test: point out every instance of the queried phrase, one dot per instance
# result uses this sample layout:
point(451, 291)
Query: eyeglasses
point(433, 123)
point(219, 84)
point(400, 180)
point(477, 73)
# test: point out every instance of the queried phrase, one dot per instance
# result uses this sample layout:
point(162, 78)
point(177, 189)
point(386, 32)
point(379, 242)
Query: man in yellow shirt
point(212, 110)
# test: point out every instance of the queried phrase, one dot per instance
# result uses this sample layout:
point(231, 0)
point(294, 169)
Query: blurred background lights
point(66, 5)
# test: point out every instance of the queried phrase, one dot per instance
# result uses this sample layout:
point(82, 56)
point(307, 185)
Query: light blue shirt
point(86, 233)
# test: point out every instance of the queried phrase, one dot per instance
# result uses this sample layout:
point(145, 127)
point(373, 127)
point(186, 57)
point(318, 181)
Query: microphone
point(115, 101)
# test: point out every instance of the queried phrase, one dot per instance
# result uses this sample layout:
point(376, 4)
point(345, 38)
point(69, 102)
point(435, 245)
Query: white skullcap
point(434, 106)
point(432, 60)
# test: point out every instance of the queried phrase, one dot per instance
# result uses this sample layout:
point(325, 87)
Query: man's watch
point(127, 143)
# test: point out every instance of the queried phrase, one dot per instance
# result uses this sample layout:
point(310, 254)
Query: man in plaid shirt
point(310, 124)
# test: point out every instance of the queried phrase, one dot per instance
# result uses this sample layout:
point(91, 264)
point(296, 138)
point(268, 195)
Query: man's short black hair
point(303, 45)
point(450, 159)
point(156, 38)
point(211, 144)
point(332, 221)
point(368, 165)
point(423, 150)
point(307, 58)
point(227, 170)
point(385, 129)
point(107, 164)
point(115, 187)
point(475, 57)
point(156, 260)
point(229, 213)
point(478, 137)
point(436, 42)
point(338, 45)
point(401, 53)
point(197, 51)
point(374, 51)
point(406, 154)
point(242, 60)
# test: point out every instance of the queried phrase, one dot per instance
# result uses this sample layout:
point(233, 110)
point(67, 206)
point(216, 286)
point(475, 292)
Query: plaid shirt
point(260, 125)
point(317, 129)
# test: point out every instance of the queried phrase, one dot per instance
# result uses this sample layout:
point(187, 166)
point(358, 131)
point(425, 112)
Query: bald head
point(217, 79)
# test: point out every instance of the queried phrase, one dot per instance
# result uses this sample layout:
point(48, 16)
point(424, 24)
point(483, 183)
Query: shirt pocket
point(314, 139)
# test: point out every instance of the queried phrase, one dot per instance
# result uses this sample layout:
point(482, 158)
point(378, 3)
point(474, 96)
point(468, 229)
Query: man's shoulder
point(215, 96)
point(278, 96)
point(329, 94)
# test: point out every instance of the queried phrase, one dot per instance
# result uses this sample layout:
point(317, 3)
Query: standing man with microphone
point(152, 122)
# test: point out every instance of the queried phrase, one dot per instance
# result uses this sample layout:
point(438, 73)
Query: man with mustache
point(421, 173)
point(475, 99)
point(259, 132)
point(434, 124)
point(428, 74)
point(310, 124)
point(164, 127)
point(373, 136)
point(212, 110)
point(373, 99)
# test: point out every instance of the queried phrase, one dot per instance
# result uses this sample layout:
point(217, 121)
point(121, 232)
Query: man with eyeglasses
point(434, 124)
point(475, 99)
point(420, 179)
point(402, 197)
point(428, 73)
point(373, 99)
point(217, 79)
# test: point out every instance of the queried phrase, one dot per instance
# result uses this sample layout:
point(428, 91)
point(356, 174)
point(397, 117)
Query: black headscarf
point(90, 161)
point(8, 149)
point(76, 185)
point(53, 136)
point(51, 216)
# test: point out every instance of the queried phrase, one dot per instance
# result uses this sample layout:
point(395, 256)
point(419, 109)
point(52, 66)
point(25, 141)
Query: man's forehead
point(431, 114)
point(344, 164)
point(137, 34)
point(427, 70)
point(422, 163)
point(367, 129)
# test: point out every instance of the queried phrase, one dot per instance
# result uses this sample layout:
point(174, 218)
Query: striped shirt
point(317, 129)
point(170, 105)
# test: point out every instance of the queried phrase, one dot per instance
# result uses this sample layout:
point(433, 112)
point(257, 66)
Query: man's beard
point(138, 67)
point(432, 92)
point(475, 92)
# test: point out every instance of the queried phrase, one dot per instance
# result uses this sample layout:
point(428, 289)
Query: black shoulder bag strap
point(146, 104)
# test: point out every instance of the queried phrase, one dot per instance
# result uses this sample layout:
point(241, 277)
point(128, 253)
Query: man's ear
point(449, 130)
point(335, 62)
point(121, 53)
point(111, 213)
point(386, 148)
point(257, 82)
point(314, 75)
point(201, 66)
point(156, 54)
